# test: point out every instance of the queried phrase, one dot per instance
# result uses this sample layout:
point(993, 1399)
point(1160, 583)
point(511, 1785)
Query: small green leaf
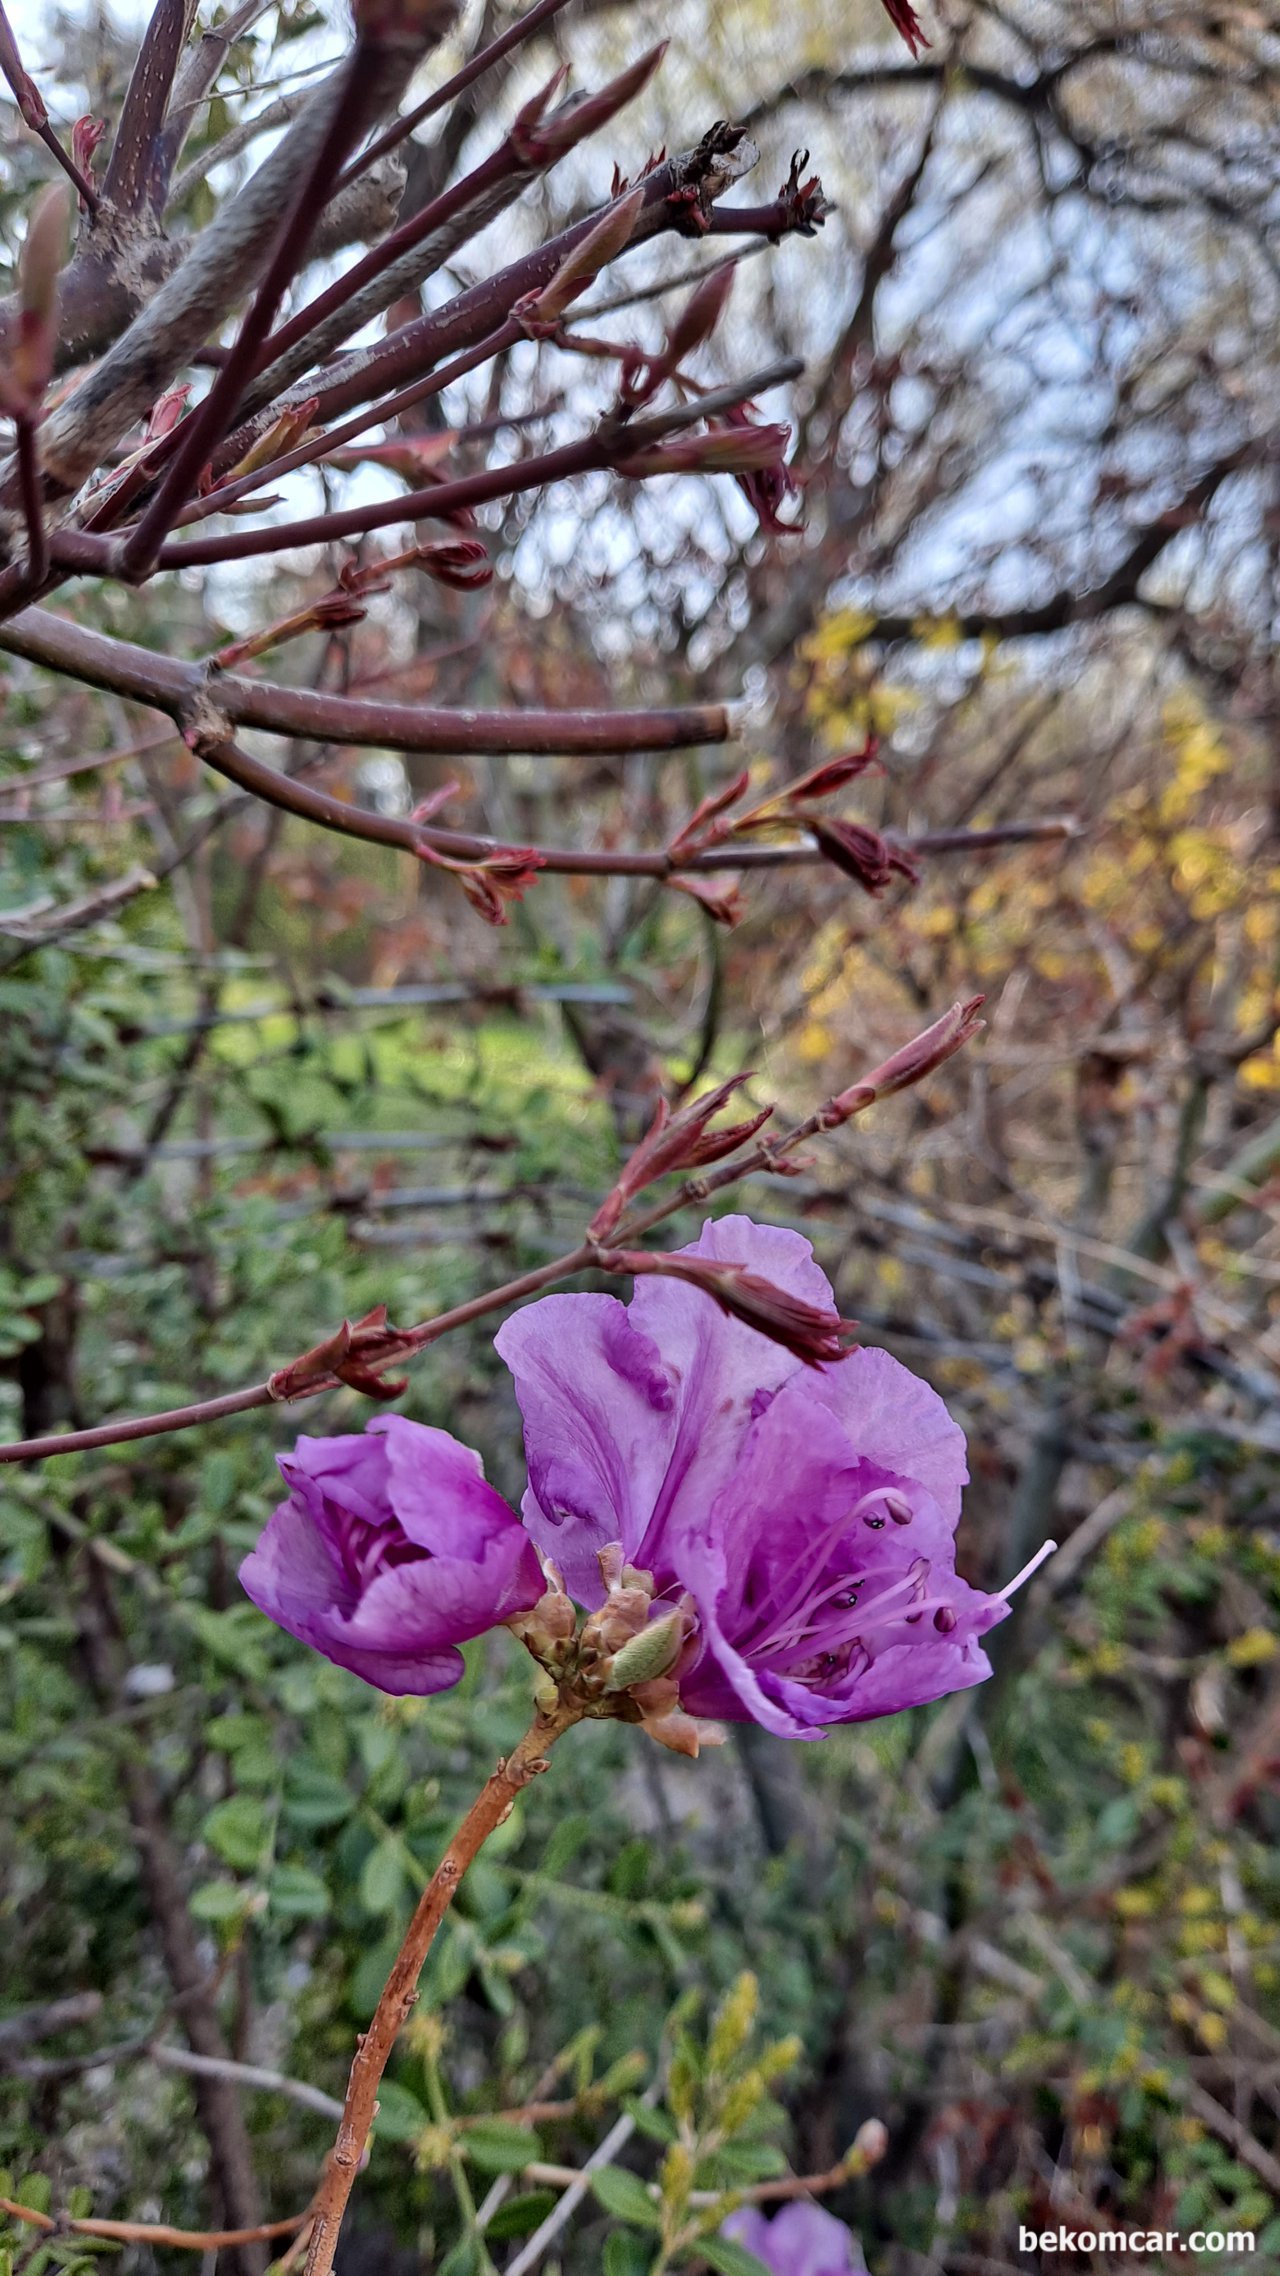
point(497, 2145)
point(657, 2124)
point(314, 1797)
point(238, 1831)
point(730, 2259)
point(520, 2216)
point(624, 2195)
point(626, 2254)
point(220, 1900)
point(462, 2259)
point(382, 1878)
point(401, 2117)
point(296, 1893)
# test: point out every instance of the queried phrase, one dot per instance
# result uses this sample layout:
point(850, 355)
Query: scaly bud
point(586, 114)
point(678, 1141)
point(700, 315)
point(870, 2144)
point(720, 896)
point(721, 450)
point(818, 1338)
point(649, 1654)
point(86, 134)
point(861, 853)
point(920, 1057)
point(47, 243)
point(579, 268)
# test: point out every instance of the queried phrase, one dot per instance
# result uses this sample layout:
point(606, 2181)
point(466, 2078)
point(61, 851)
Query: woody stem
point(491, 1806)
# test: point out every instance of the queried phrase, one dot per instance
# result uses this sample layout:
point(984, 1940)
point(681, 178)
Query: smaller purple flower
point(801, 2240)
point(390, 1551)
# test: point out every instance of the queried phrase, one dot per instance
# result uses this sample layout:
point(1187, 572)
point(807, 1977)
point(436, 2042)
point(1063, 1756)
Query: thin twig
point(492, 1805)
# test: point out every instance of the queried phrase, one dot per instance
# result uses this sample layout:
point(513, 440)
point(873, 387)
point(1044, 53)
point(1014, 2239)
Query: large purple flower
point(390, 1552)
point(801, 2240)
point(810, 1512)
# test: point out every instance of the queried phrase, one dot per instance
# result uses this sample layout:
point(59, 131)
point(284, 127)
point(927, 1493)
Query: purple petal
point(802, 2240)
point(898, 1421)
point(596, 1402)
point(353, 1470)
point(437, 1601)
point(634, 1416)
point(436, 1487)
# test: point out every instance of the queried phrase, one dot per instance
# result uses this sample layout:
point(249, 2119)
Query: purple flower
point(810, 1512)
point(390, 1552)
point(801, 2240)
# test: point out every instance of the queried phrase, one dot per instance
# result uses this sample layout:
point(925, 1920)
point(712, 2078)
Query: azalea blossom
point(801, 2240)
point(808, 1512)
point(389, 1552)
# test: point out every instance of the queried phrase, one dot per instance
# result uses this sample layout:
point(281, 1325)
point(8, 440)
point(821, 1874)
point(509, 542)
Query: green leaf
point(629, 1872)
point(624, 2195)
point(314, 1797)
point(236, 1639)
point(296, 1893)
point(626, 2254)
point(657, 2124)
point(730, 2259)
point(462, 2259)
point(520, 2216)
point(498, 2145)
point(238, 1831)
point(220, 1900)
point(401, 2117)
point(382, 1878)
point(747, 2161)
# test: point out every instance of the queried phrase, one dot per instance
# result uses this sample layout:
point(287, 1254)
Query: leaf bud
point(649, 1653)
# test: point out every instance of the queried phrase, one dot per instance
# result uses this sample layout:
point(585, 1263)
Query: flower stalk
point(492, 1805)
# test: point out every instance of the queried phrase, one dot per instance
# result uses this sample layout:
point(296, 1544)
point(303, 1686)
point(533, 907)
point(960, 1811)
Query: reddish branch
point(361, 1353)
point(167, 684)
point(31, 106)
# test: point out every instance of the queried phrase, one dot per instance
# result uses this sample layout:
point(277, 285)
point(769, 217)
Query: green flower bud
point(648, 1654)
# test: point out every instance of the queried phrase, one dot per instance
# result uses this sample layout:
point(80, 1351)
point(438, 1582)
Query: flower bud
point(648, 1654)
point(814, 1336)
point(920, 1057)
point(578, 269)
point(869, 2145)
point(47, 244)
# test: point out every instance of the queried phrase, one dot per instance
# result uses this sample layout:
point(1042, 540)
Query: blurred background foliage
point(1035, 1931)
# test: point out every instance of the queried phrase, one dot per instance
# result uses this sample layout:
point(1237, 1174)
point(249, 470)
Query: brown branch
point(677, 196)
point(199, 435)
point(492, 1805)
point(152, 2232)
point(398, 265)
point(30, 103)
point(613, 445)
point(26, 435)
point(362, 1354)
point(136, 179)
point(403, 127)
point(169, 685)
point(407, 836)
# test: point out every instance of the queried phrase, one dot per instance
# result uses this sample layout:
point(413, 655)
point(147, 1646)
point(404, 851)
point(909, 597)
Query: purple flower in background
point(801, 2240)
point(809, 1512)
point(390, 1552)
